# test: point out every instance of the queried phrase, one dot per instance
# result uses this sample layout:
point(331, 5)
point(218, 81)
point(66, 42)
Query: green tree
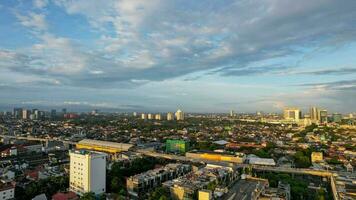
point(88, 196)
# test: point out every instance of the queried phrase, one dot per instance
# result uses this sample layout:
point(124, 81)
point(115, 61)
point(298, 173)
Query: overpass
point(37, 139)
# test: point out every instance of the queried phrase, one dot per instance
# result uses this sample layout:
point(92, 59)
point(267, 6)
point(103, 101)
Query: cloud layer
point(127, 44)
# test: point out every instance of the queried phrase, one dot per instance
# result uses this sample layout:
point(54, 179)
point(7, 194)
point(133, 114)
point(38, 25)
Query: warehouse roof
point(121, 146)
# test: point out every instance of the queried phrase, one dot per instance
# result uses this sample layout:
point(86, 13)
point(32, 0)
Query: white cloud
point(40, 3)
point(33, 20)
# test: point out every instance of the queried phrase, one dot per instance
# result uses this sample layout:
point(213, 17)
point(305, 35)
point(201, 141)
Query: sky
point(161, 55)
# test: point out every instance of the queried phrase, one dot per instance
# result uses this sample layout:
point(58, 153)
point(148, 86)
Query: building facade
point(179, 115)
point(87, 172)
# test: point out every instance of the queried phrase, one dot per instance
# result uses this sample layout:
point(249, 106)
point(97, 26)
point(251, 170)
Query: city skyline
point(152, 56)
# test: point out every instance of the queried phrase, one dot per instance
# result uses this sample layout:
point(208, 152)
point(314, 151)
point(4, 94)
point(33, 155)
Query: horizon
point(202, 57)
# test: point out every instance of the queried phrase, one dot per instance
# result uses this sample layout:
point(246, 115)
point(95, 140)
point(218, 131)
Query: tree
point(160, 193)
point(88, 196)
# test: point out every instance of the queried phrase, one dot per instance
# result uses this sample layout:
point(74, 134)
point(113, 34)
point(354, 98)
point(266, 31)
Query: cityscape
point(177, 100)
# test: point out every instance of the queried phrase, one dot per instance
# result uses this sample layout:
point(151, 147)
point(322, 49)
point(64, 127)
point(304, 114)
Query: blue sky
point(200, 56)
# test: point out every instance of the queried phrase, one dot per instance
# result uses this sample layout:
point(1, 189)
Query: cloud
point(33, 20)
point(341, 71)
point(40, 3)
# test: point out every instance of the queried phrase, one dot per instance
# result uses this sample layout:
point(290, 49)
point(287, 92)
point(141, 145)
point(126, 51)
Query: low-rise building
point(201, 181)
point(317, 157)
point(140, 184)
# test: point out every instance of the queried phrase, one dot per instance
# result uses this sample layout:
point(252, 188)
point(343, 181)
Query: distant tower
point(150, 116)
point(158, 117)
point(179, 115)
point(143, 116)
point(323, 116)
point(134, 114)
point(232, 114)
point(170, 116)
point(314, 114)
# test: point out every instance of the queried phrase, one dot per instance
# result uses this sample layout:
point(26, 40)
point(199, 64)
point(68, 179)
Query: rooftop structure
point(187, 186)
point(139, 184)
point(105, 146)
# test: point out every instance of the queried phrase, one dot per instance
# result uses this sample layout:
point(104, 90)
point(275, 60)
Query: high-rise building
point(53, 114)
point(292, 114)
point(17, 113)
point(150, 116)
point(232, 114)
point(134, 114)
point(170, 116)
point(337, 117)
point(143, 116)
point(314, 114)
point(25, 114)
point(323, 116)
point(179, 115)
point(87, 172)
point(158, 117)
point(64, 111)
point(35, 113)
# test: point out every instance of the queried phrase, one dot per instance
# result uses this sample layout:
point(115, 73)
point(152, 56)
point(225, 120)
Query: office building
point(158, 117)
point(170, 116)
point(140, 184)
point(179, 115)
point(293, 114)
point(64, 111)
point(134, 114)
point(323, 116)
point(87, 172)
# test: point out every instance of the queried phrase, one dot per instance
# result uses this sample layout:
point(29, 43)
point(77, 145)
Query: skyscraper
point(170, 116)
point(232, 114)
point(314, 114)
point(292, 114)
point(150, 116)
point(17, 113)
point(323, 116)
point(143, 116)
point(87, 172)
point(158, 117)
point(337, 117)
point(179, 115)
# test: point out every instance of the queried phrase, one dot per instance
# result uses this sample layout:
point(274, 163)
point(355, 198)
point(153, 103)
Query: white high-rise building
point(179, 115)
point(158, 117)
point(87, 172)
point(150, 116)
point(170, 116)
point(143, 116)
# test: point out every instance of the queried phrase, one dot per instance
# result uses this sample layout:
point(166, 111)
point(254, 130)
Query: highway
point(36, 139)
